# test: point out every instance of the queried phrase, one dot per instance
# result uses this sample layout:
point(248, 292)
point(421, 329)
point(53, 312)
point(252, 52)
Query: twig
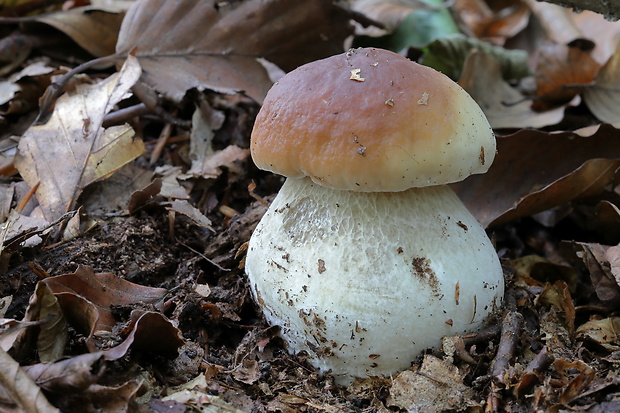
point(511, 330)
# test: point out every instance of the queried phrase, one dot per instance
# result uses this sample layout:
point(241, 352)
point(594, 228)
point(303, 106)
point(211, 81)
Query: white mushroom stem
point(364, 281)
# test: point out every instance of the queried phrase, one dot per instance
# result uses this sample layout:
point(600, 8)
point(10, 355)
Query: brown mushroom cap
point(371, 120)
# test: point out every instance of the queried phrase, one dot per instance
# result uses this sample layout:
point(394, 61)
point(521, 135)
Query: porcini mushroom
point(366, 256)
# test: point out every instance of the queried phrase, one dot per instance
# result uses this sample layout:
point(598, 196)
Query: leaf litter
point(128, 207)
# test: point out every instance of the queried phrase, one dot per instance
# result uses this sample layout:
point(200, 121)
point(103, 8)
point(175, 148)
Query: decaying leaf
point(560, 72)
point(217, 45)
point(183, 207)
point(72, 150)
point(69, 375)
point(602, 263)
point(18, 392)
point(87, 299)
point(604, 332)
point(504, 106)
point(534, 171)
point(603, 98)
point(94, 28)
point(435, 387)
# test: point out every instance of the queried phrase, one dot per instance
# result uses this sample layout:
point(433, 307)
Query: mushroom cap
point(371, 120)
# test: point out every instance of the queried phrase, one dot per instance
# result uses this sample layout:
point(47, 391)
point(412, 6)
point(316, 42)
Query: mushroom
point(366, 257)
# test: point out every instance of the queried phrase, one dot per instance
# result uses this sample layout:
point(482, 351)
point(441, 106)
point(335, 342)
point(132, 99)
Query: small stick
point(511, 330)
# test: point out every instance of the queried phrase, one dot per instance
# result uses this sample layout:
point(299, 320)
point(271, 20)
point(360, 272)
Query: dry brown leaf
point(561, 71)
point(185, 208)
point(504, 106)
point(573, 384)
point(601, 263)
point(603, 98)
point(87, 299)
point(95, 29)
point(435, 387)
point(72, 150)
point(98, 398)
point(210, 166)
point(493, 21)
point(534, 171)
point(53, 334)
point(558, 296)
point(216, 45)
point(150, 332)
point(69, 375)
point(18, 392)
point(604, 332)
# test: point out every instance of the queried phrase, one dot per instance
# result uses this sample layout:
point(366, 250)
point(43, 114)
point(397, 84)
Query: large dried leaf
point(69, 375)
point(603, 98)
point(560, 72)
point(87, 299)
point(18, 392)
point(72, 150)
point(216, 45)
point(534, 171)
point(93, 28)
point(504, 106)
point(151, 332)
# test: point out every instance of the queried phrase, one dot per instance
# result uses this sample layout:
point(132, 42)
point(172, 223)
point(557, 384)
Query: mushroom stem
point(363, 281)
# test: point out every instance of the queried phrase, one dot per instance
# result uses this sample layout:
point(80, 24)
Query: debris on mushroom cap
point(414, 126)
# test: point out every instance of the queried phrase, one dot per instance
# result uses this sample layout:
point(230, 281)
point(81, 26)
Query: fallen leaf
point(54, 333)
point(183, 207)
point(561, 71)
point(602, 264)
point(212, 164)
point(534, 171)
point(603, 97)
point(435, 387)
point(216, 45)
point(504, 106)
point(604, 332)
point(94, 28)
point(558, 296)
point(18, 392)
point(70, 375)
point(575, 377)
point(87, 299)
point(491, 21)
point(448, 55)
point(150, 332)
point(72, 150)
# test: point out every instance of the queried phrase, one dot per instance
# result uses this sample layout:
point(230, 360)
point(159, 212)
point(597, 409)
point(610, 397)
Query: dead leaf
point(210, 167)
point(87, 298)
point(561, 71)
point(504, 106)
point(70, 375)
point(575, 377)
point(216, 45)
point(183, 207)
point(604, 332)
point(435, 387)
point(558, 296)
point(601, 263)
point(72, 150)
point(150, 332)
point(18, 391)
point(495, 22)
point(54, 334)
point(248, 372)
point(603, 98)
point(94, 28)
point(534, 171)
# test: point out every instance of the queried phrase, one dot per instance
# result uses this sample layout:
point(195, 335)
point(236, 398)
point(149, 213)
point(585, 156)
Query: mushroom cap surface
point(371, 120)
